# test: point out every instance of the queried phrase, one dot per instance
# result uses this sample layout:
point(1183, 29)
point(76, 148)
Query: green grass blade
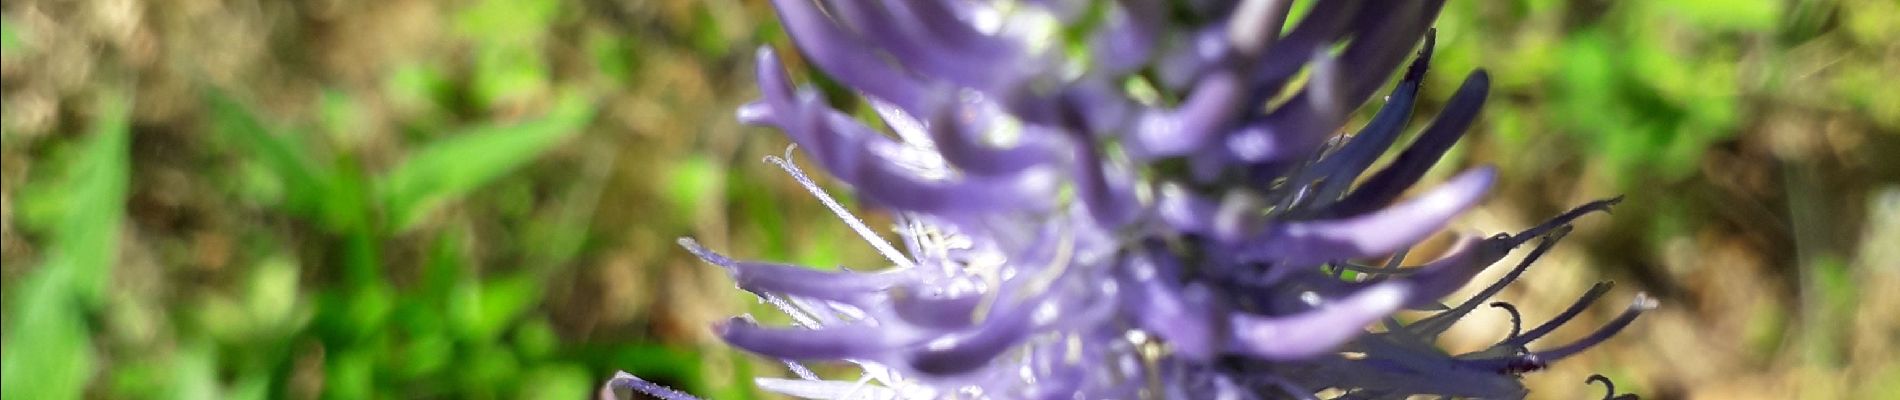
point(48, 349)
point(454, 166)
point(49, 346)
point(307, 184)
point(88, 241)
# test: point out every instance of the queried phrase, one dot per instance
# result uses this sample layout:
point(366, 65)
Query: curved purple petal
point(1107, 190)
point(1441, 277)
point(845, 148)
point(965, 351)
point(1301, 243)
point(1187, 319)
point(1190, 55)
point(831, 342)
point(1298, 127)
point(1315, 332)
point(935, 308)
point(951, 131)
point(1345, 165)
point(847, 59)
point(911, 47)
point(1128, 39)
point(1097, 108)
point(796, 280)
point(1209, 110)
point(1411, 164)
point(1185, 211)
point(952, 34)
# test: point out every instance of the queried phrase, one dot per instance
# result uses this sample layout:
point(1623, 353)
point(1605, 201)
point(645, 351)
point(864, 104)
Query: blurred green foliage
point(50, 353)
point(1648, 87)
point(363, 265)
point(379, 332)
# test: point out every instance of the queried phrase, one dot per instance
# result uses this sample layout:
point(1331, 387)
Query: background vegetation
point(478, 198)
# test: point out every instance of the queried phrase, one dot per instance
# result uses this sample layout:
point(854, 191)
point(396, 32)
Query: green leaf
point(48, 349)
point(424, 346)
point(356, 313)
point(508, 75)
point(272, 300)
point(456, 165)
point(614, 56)
point(423, 355)
point(535, 339)
point(219, 317)
point(446, 265)
point(48, 344)
point(487, 371)
point(348, 214)
point(343, 119)
point(555, 236)
point(308, 186)
point(480, 312)
point(420, 92)
point(508, 38)
point(88, 241)
point(507, 22)
point(1743, 15)
point(138, 375)
point(194, 373)
point(349, 374)
point(556, 381)
point(255, 385)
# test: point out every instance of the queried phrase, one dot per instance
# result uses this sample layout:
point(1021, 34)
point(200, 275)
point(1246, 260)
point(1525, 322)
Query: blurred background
point(479, 198)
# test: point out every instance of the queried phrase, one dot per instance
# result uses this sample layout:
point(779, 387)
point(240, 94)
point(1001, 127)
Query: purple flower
point(1116, 200)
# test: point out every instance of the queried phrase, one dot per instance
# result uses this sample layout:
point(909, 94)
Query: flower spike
point(1134, 199)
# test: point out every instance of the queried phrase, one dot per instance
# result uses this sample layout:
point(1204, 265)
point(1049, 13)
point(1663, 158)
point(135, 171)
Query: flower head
point(1132, 199)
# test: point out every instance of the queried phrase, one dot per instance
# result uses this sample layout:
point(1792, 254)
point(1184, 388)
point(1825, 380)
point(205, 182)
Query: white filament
point(857, 225)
